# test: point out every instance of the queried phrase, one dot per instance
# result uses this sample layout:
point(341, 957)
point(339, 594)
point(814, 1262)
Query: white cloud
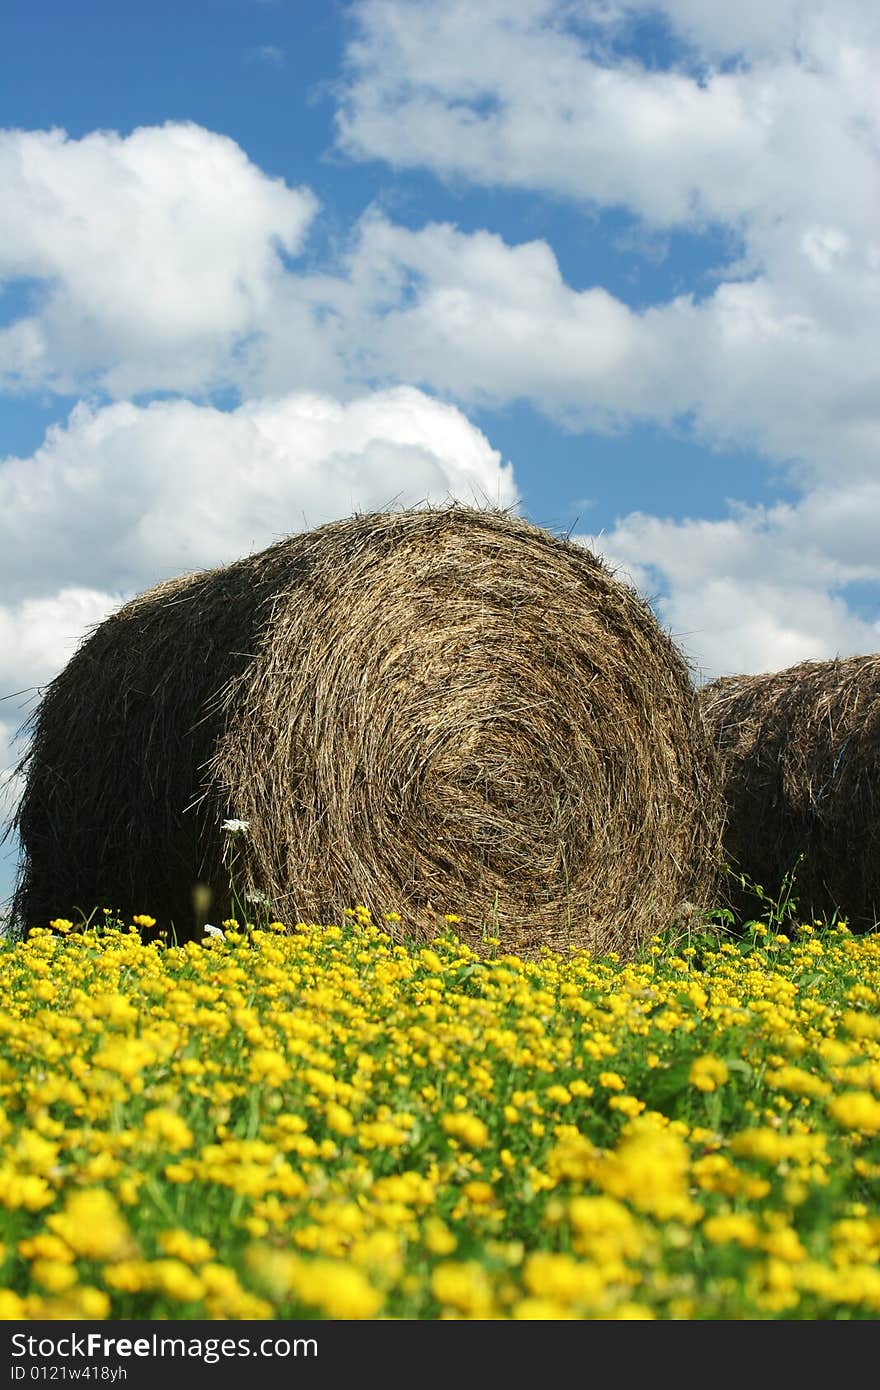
point(764, 588)
point(755, 29)
point(148, 285)
point(123, 495)
point(38, 635)
point(486, 321)
point(754, 364)
point(155, 256)
point(780, 150)
point(521, 97)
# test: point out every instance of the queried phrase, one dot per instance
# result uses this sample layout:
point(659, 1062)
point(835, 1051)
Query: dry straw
point(426, 712)
point(799, 754)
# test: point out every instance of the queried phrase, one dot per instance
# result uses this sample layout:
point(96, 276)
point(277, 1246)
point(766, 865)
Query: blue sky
point(617, 264)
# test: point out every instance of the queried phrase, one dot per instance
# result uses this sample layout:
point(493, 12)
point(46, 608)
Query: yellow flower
point(563, 1278)
point(337, 1289)
point(573, 1157)
point(45, 1247)
point(269, 1066)
point(733, 1227)
point(649, 1168)
point(168, 1126)
point(438, 1237)
point(182, 1245)
point(176, 1280)
point(34, 1152)
point(128, 1188)
point(612, 1081)
point(12, 1307)
point(627, 1105)
point(381, 1134)
point(479, 1193)
point(580, 1088)
point(856, 1110)
point(469, 1129)
point(605, 1229)
point(410, 1188)
point(559, 1094)
point(861, 1025)
point(339, 1119)
point(93, 1226)
point(545, 1309)
point(26, 1190)
point(219, 1279)
point(774, 1147)
point(128, 1276)
point(631, 1311)
point(708, 1073)
point(784, 1244)
point(127, 1057)
point(796, 1081)
point(54, 1275)
point(464, 1287)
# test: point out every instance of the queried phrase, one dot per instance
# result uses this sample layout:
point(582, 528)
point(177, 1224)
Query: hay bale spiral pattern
point(430, 711)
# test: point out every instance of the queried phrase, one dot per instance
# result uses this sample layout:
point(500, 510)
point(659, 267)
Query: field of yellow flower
point(321, 1123)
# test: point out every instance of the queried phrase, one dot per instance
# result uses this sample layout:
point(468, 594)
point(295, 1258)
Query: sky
point(610, 263)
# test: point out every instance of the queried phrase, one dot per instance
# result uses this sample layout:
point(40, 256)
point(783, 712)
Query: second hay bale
point(800, 759)
point(439, 710)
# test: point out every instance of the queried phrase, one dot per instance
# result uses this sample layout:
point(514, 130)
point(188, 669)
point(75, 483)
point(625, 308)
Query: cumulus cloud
point(162, 261)
point(506, 96)
point(526, 97)
point(487, 322)
point(38, 635)
point(130, 493)
point(152, 257)
point(777, 144)
point(753, 29)
point(763, 588)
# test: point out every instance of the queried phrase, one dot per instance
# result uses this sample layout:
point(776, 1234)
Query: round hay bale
point(425, 712)
point(800, 757)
